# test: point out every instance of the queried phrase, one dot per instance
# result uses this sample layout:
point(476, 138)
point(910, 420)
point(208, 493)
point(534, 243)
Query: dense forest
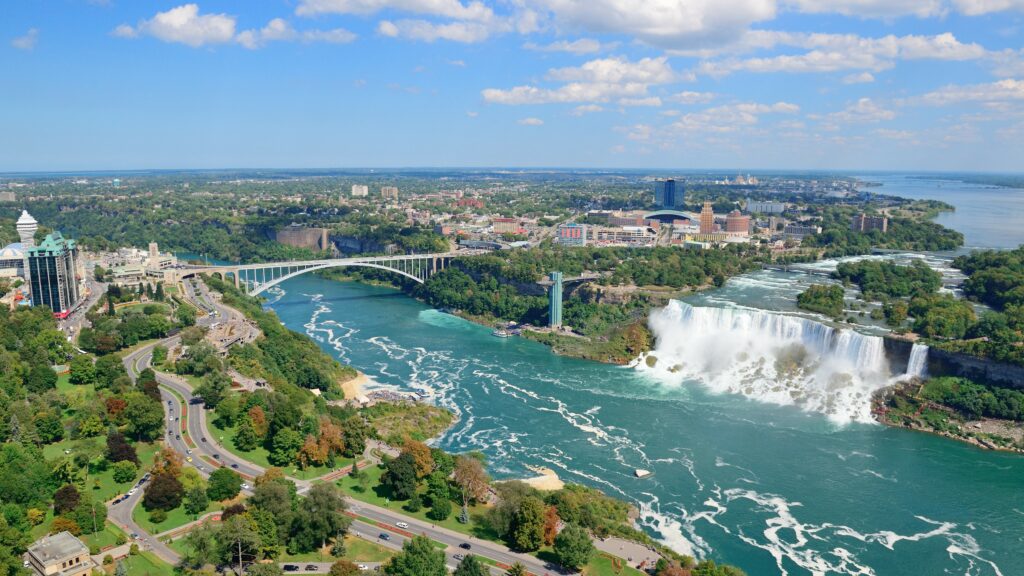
point(883, 279)
point(914, 234)
point(824, 299)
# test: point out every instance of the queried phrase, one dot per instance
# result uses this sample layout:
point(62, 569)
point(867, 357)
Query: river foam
point(768, 357)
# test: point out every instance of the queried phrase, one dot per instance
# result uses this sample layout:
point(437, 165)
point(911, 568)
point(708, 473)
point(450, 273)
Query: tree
point(214, 388)
point(423, 460)
point(400, 477)
point(470, 566)
point(90, 516)
point(269, 569)
point(284, 447)
point(440, 509)
point(124, 471)
point(551, 521)
point(120, 569)
point(224, 484)
point(196, 500)
point(418, 558)
point(41, 378)
point(159, 355)
point(527, 532)
point(238, 542)
point(516, 569)
point(164, 492)
point(470, 476)
point(65, 499)
point(61, 524)
point(344, 568)
point(277, 497)
point(200, 547)
point(83, 371)
point(357, 431)
point(109, 371)
point(320, 517)
point(145, 417)
point(245, 436)
point(119, 450)
point(185, 315)
point(573, 547)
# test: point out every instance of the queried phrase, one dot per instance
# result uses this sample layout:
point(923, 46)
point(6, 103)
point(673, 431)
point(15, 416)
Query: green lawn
point(259, 456)
point(147, 564)
point(138, 306)
point(376, 495)
point(356, 550)
point(601, 565)
point(175, 518)
point(101, 482)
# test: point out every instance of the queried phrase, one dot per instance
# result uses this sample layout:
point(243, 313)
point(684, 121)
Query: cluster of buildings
point(131, 267)
point(386, 192)
point(51, 272)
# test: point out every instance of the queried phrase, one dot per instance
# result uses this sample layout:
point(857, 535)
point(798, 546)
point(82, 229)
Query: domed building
point(12, 260)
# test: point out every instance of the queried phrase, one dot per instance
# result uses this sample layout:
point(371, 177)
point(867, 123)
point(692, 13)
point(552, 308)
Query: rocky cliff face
point(943, 363)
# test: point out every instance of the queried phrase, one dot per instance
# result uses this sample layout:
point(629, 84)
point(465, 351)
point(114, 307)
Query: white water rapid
point(769, 357)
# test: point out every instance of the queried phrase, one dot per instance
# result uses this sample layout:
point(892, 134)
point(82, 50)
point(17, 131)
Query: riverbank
point(902, 406)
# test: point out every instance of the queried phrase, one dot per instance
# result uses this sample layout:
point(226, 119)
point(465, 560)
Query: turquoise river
point(775, 469)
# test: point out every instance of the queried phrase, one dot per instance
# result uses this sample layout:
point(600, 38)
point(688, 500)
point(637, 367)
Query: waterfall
point(917, 366)
point(768, 357)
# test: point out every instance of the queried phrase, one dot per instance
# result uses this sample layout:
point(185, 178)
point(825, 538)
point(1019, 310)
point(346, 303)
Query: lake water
point(754, 465)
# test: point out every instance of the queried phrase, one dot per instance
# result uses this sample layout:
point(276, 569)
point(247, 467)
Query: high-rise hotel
point(51, 271)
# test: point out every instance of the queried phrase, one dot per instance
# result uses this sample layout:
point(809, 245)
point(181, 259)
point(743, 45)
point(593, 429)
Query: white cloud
point(578, 47)
point(730, 117)
point(125, 31)
point(1003, 91)
point(184, 25)
point(1008, 63)
point(664, 23)
point(28, 41)
point(445, 8)
point(457, 63)
point(978, 7)
point(465, 32)
point(472, 114)
point(586, 109)
point(648, 101)
point(872, 8)
point(864, 111)
point(835, 52)
point(862, 78)
point(530, 122)
point(689, 97)
point(599, 80)
point(280, 30)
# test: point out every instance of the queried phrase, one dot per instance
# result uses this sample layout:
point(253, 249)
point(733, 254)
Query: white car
point(363, 567)
point(402, 524)
point(132, 491)
point(246, 486)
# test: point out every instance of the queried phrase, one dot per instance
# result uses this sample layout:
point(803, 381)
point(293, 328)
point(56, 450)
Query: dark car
point(384, 536)
point(203, 439)
point(235, 466)
point(310, 567)
point(465, 546)
point(290, 567)
point(177, 436)
point(216, 456)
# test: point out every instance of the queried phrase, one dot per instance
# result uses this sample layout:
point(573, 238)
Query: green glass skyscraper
point(555, 300)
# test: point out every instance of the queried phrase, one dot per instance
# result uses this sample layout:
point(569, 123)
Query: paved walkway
point(634, 553)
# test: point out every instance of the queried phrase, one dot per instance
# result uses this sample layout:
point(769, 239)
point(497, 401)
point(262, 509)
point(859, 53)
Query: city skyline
point(758, 84)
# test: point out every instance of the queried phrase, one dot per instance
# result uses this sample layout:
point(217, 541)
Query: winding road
point(187, 434)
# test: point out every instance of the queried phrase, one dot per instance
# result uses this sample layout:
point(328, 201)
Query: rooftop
point(57, 547)
point(54, 242)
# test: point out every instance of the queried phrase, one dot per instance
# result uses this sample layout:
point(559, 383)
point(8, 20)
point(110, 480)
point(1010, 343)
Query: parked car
point(458, 557)
point(310, 567)
point(402, 524)
point(465, 546)
point(290, 567)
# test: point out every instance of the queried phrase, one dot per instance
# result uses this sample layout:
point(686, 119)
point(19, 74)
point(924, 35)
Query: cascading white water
point(768, 357)
point(917, 366)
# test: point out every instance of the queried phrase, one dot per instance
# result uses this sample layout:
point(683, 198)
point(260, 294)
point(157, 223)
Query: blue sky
point(738, 84)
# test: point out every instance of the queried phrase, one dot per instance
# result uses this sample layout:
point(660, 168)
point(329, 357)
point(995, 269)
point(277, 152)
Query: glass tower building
point(555, 300)
point(51, 273)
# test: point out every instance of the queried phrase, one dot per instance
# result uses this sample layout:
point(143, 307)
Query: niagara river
point(754, 419)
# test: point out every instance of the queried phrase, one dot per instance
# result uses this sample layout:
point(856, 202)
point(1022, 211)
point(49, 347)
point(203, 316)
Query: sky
point(684, 84)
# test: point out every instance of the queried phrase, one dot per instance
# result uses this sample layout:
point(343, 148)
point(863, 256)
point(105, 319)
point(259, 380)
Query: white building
point(360, 190)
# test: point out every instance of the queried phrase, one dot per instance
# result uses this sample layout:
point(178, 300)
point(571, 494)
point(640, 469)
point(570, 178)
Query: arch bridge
point(257, 278)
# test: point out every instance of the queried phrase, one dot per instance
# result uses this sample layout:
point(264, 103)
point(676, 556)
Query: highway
point(189, 438)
